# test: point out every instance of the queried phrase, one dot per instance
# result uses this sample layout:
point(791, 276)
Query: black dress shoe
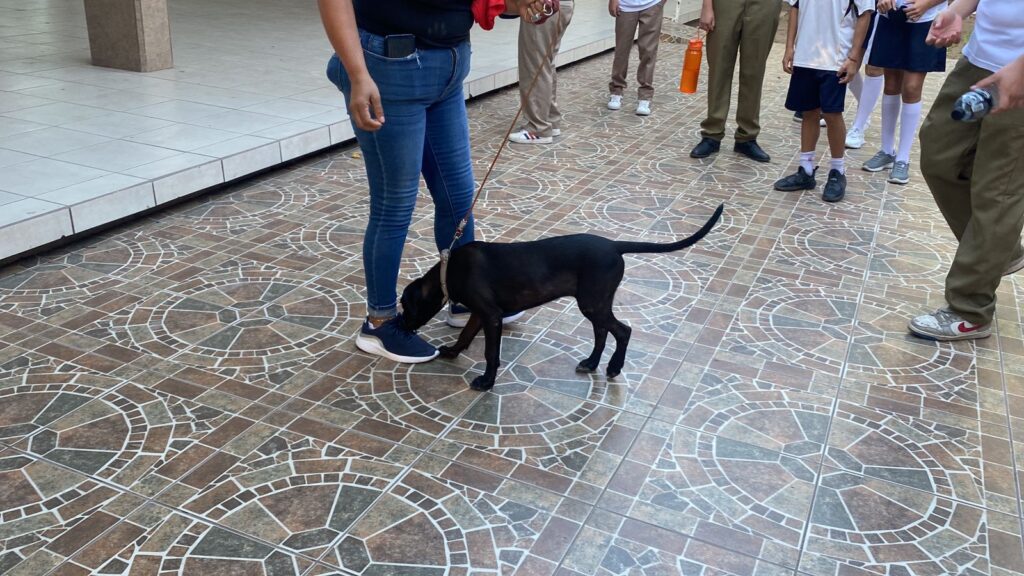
point(707, 147)
point(752, 150)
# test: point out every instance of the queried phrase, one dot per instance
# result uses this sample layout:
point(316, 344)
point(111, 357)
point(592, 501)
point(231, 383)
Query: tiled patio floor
point(182, 395)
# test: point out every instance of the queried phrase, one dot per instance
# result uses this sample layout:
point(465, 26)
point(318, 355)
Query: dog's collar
point(445, 255)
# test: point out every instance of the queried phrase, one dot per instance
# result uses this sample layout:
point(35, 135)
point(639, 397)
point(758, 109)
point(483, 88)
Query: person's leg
point(873, 83)
point(760, 23)
point(647, 42)
point(625, 29)
point(974, 171)
point(891, 104)
point(447, 163)
point(722, 46)
point(393, 157)
point(535, 69)
point(564, 17)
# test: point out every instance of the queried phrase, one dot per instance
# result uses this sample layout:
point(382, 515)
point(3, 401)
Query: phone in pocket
point(399, 45)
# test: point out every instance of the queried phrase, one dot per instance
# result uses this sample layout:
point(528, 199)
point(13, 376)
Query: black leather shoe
point(751, 150)
point(799, 181)
point(707, 147)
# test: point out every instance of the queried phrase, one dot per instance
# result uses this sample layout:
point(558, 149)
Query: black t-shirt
point(434, 22)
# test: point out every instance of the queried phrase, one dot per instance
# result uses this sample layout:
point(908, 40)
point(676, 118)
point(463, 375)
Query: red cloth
point(485, 11)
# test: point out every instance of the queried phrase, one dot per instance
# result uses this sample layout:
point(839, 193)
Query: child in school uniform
point(824, 50)
point(631, 16)
point(900, 49)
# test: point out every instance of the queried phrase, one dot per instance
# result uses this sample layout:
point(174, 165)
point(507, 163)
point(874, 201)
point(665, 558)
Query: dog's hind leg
point(469, 332)
point(621, 332)
point(492, 350)
point(590, 363)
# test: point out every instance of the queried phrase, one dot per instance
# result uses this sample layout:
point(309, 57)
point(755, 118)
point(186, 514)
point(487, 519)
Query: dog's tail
point(653, 247)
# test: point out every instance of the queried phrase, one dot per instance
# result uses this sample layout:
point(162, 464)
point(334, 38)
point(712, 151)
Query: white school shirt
point(998, 37)
point(929, 14)
point(824, 32)
point(637, 5)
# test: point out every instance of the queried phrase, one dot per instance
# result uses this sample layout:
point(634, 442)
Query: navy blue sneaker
point(392, 341)
point(799, 181)
point(835, 188)
point(458, 316)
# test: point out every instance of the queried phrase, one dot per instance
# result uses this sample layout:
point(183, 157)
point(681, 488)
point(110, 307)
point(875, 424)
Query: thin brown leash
point(461, 228)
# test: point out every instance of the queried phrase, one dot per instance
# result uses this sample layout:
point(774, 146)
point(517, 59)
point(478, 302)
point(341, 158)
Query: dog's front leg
point(492, 352)
point(469, 332)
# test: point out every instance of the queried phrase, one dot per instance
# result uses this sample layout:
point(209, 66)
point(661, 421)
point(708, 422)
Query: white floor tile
point(116, 155)
point(50, 141)
point(31, 223)
point(171, 165)
point(118, 124)
point(103, 200)
point(8, 197)
point(180, 110)
point(291, 109)
point(10, 157)
point(12, 126)
point(44, 175)
point(56, 114)
point(188, 181)
point(240, 121)
point(11, 101)
point(13, 82)
point(182, 137)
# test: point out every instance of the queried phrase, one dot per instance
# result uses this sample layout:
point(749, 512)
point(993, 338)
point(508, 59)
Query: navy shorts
point(810, 89)
point(900, 45)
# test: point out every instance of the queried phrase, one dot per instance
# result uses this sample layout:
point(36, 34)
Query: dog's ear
point(422, 299)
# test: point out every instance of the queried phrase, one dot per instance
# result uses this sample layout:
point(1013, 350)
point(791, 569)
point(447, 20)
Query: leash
point(549, 11)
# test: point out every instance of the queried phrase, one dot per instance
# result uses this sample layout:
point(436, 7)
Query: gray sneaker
point(879, 162)
point(900, 173)
point(945, 325)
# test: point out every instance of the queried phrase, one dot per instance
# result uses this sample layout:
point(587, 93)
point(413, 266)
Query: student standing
point(641, 18)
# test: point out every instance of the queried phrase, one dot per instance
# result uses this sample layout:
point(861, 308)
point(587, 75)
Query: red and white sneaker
point(527, 137)
point(945, 325)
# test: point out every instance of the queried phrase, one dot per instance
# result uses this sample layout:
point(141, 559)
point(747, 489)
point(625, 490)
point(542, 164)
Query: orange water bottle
point(691, 67)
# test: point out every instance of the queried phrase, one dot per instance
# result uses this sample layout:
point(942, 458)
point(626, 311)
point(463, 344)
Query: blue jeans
point(425, 131)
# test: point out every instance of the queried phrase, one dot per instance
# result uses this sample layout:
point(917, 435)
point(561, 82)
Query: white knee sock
point(856, 85)
point(807, 161)
point(869, 94)
point(909, 119)
point(890, 114)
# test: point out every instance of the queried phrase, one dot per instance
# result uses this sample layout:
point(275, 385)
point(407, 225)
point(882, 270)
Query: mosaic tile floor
point(182, 395)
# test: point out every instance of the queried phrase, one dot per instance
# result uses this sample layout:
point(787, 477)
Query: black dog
point(495, 280)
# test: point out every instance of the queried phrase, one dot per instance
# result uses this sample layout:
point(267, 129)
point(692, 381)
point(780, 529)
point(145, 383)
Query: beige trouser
point(626, 24)
point(976, 174)
point(746, 28)
point(535, 45)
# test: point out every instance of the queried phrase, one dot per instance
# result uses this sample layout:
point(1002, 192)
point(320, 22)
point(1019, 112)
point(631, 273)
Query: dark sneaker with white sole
point(458, 316)
point(799, 181)
point(835, 187)
point(392, 341)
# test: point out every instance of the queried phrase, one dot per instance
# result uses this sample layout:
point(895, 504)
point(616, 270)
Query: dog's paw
point(586, 366)
point(447, 352)
point(482, 383)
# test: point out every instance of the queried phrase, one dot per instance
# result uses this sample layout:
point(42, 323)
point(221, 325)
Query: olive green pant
point(744, 28)
point(976, 174)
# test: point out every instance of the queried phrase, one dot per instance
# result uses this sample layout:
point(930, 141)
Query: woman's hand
point(707, 17)
point(885, 6)
point(529, 10)
point(365, 108)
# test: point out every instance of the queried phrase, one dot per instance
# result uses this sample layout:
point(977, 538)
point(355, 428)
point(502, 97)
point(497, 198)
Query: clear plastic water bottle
point(975, 105)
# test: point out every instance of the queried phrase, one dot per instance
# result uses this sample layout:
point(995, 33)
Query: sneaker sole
point(833, 200)
point(802, 189)
point(537, 141)
point(373, 346)
point(897, 181)
point(943, 338)
point(615, 108)
point(877, 169)
point(460, 323)
point(854, 146)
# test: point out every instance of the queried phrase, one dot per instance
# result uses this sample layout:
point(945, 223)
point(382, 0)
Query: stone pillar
point(129, 34)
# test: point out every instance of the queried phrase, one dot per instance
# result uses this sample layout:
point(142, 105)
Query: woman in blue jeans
point(400, 65)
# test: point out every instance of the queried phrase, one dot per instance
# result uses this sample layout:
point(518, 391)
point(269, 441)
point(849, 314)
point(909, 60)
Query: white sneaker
point(614, 101)
point(556, 132)
point(945, 325)
point(855, 139)
point(643, 108)
point(822, 123)
point(527, 137)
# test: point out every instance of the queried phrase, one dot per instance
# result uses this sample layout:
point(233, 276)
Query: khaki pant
point(976, 174)
point(626, 25)
point(746, 28)
point(535, 44)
